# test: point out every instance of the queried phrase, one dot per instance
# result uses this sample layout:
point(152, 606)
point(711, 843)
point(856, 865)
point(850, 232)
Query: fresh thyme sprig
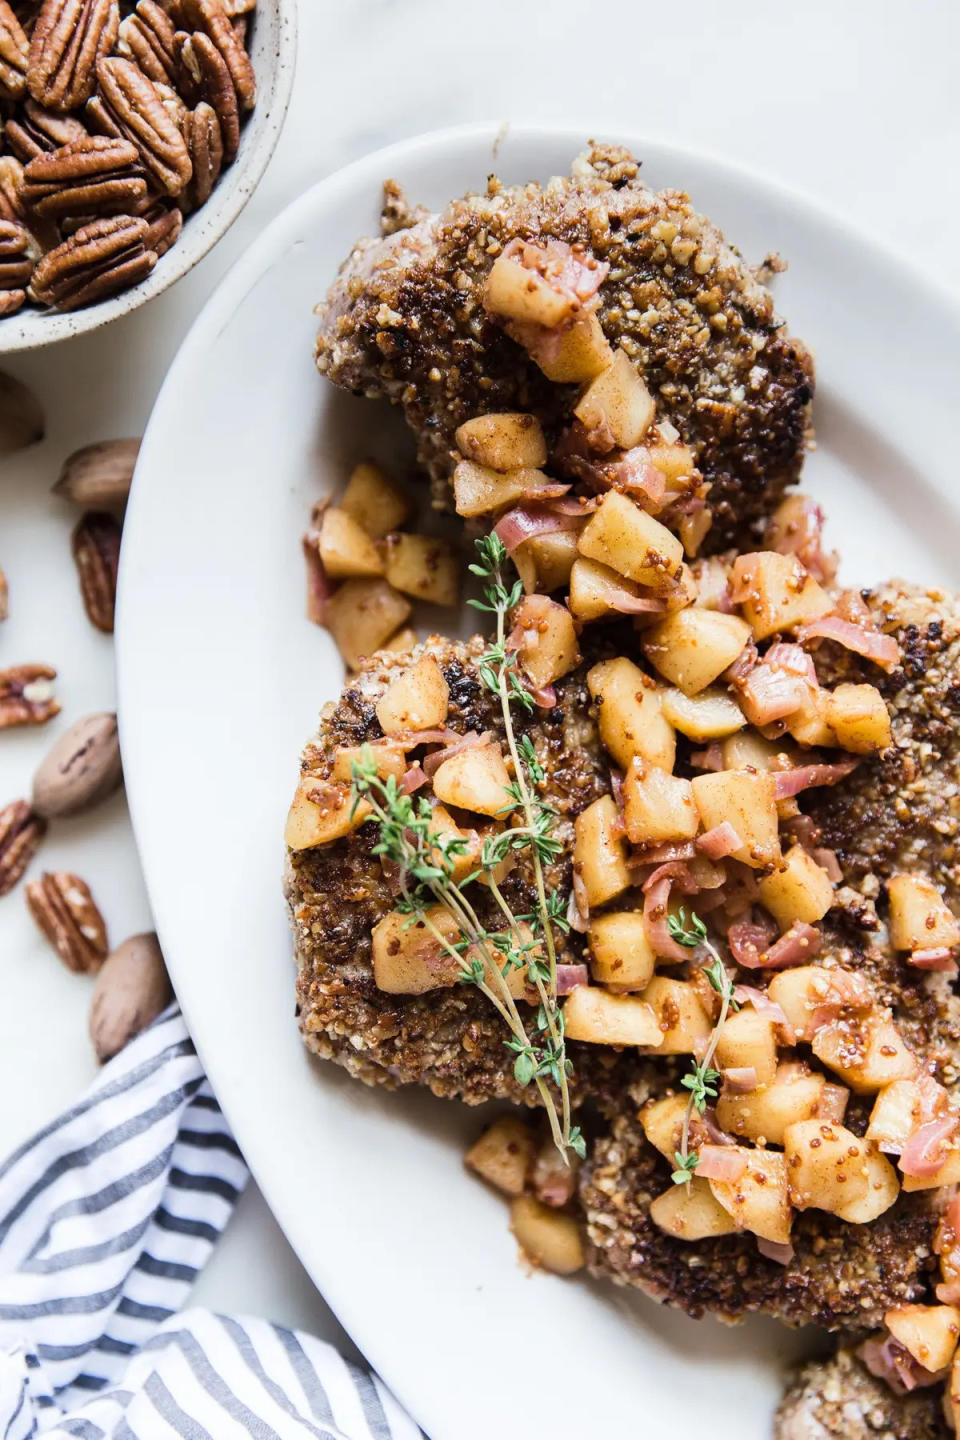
point(701, 1080)
point(426, 860)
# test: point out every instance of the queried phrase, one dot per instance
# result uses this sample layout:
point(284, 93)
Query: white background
point(853, 101)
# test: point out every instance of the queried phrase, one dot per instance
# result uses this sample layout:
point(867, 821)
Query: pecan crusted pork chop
point(838, 1399)
point(842, 1276)
point(405, 321)
point(449, 1039)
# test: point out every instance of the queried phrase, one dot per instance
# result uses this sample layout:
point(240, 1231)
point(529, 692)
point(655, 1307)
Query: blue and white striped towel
point(106, 1218)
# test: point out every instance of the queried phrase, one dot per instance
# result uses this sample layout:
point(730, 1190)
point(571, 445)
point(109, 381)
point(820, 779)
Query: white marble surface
point(854, 102)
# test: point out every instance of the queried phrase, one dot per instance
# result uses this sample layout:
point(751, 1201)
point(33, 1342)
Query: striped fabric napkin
point(106, 1218)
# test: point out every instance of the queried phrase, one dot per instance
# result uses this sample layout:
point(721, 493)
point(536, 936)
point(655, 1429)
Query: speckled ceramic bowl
point(273, 52)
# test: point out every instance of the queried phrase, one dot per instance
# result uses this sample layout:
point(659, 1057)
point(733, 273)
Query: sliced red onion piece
point(802, 777)
point(709, 759)
point(774, 1250)
point(432, 762)
point(656, 922)
point(663, 854)
point(890, 1361)
point(942, 960)
point(720, 842)
point(800, 944)
point(677, 873)
point(741, 1078)
point(761, 1002)
point(925, 1150)
point(767, 693)
point(827, 860)
point(871, 644)
point(832, 1104)
point(749, 942)
point(625, 600)
point(721, 1163)
point(414, 779)
point(570, 976)
point(320, 587)
point(527, 520)
point(793, 659)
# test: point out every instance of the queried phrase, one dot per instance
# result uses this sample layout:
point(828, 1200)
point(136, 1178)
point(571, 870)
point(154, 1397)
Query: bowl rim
point(32, 329)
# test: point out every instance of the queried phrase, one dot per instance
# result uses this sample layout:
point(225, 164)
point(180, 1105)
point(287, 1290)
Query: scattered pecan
point(130, 991)
point(18, 255)
point(164, 224)
point(211, 18)
point(206, 154)
point(212, 82)
point(11, 301)
point(93, 176)
point(146, 37)
point(21, 831)
point(26, 696)
point(128, 104)
point(99, 475)
point(69, 39)
point(36, 131)
point(14, 51)
point(68, 915)
point(100, 259)
point(22, 420)
point(96, 551)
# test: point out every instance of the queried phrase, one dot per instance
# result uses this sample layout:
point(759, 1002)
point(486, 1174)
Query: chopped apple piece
point(779, 594)
point(503, 1156)
point(657, 805)
point(748, 800)
point(507, 441)
point(621, 954)
point(693, 647)
point(920, 918)
point(374, 501)
point(402, 639)
point(547, 1237)
point(711, 715)
point(948, 1173)
point(408, 959)
point(424, 567)
point(362, 615)
point(662, 1122)
point(479, 490)
point(514, 291)
point(630, 714)
point(346, 549)
point(633, 543)
point(618, 403)
point(748, 1040)
point(858, 719)
point(764, 1114)
point(691, 1212)
point(759, 1201)
point(545, 562)
point(548, 640)
point(826, 1165)
point(322, 812)
point(883, 1187)
point(682, 1022)
point(417, 700)
point(867, 1053)
point(573, 355)
point(443, 827)
point(928, 1332)
point(808, 725)
point(750, 751)
point(599, 852)
point(895, 1115)
point(389, 758)
point(596, 1016)
point(799, 889)
point(597, 591)
point(474, 779)
point(802, 990)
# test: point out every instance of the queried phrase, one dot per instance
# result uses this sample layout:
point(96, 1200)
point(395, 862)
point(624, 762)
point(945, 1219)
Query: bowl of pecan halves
point(132, 136)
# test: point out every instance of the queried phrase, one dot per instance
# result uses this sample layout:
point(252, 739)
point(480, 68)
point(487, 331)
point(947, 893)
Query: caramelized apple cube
point(691, 1212)
point(573, 355)
point(764, 1114)
point(417, 700)
point(662, 1122)
point(657, 806)
point(506, 441)
point(515, 292)
point(759, 1201)
point(545, 562)
point(600, 853)
point(597, 591)
point(867, 1052)
point(617, 403)
point(621, 954)
point(386, 755)
point(630, 714)
point(374, 501)
point(748, 1041)
point(345, 549)
point(596, 1016)
point(779, 594)
point(748, 800)
point(548, 640)
point(408, 959)
point(826, 1165)
point(362, 615)
point(711, 715)
point(799, 889)
point(693, 647)
point(548, 1238)
point(682, 1022)
point(920, 918)
point(322, 812)
point(424, 567)
point(928, 1332)
point(503, 1155)
point(883, 1187)
point(479, 490)
point(633, 543)
point(474, 779)
point(858, 719)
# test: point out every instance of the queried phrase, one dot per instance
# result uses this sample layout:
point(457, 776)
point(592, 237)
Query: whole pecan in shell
point(129, 102)
point(205, 67)
point(26, 696)
point(68, 916)
point(14, 52)
point(21, 831)
point(96, 551)
point(146, 37)
point(97, 175)
point(69, 39)
point(100, 259)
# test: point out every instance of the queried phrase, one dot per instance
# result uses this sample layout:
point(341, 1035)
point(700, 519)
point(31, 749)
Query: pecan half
point(93, 176)
point(99, 475)
point(26, 696)
point(206, 153)
point(211, 81)
point(69, 39)
point(18, 254)
point(211, 18)
point(68, 916)
point(128, 104)
point(164, 224)
point(100, 259)
point(146, 37)
point(21, 831)
point(96, 551)
point(11, 301)
point(11, 183)
point(14, 52)
point(35, 131)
